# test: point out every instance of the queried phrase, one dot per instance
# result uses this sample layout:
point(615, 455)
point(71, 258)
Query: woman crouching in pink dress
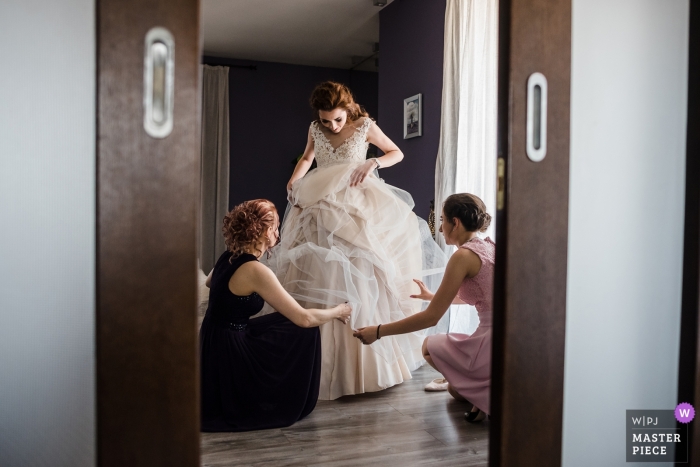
point(464, 360)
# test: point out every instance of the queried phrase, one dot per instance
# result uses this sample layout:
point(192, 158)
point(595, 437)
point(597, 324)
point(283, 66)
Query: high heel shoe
point(475, 417)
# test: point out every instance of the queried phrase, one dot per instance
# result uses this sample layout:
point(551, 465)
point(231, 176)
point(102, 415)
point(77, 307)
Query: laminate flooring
point(400, 426)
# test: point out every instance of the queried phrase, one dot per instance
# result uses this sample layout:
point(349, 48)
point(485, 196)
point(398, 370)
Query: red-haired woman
point(349, 236)
point(262, 372)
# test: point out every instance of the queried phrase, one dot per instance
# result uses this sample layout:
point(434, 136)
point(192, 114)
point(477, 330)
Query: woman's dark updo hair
point(330, 95)
point(469, 209)
point(246, 223)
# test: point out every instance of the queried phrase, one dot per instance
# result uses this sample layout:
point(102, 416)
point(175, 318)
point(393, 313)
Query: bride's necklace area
point(330, 136)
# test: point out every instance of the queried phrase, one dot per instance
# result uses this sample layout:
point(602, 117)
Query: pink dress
point(465, 360)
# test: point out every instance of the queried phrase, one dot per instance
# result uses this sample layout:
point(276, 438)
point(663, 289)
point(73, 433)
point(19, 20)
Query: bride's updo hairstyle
point(246, 223)
point(330, 95)
point(469, 209)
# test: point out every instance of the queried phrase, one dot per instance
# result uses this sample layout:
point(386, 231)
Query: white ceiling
point(326, 33)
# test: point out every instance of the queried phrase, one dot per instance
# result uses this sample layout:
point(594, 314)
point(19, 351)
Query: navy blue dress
point(255, 373)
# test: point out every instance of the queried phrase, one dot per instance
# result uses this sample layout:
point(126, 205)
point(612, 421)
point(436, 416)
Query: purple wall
point(270, 117)
point(411, 35)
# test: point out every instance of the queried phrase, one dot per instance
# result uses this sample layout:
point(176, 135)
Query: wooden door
point(532, 233)
point(147, 383)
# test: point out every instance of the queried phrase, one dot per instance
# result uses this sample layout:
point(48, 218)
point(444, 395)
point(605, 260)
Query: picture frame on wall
point(413, 116)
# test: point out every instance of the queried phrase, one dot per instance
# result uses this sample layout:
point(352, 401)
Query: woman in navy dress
point(263, 372)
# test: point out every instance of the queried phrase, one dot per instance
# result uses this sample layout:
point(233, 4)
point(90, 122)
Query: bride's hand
point(360, 173)
point(344, 312)
point(290, 192)
point(366, 335)
point(424, 294)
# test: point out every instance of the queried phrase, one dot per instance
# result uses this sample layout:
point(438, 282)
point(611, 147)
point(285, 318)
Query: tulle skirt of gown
point(363, 245)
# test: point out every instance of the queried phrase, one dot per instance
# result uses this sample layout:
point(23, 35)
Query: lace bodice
point(478, 290)
point(353, 149)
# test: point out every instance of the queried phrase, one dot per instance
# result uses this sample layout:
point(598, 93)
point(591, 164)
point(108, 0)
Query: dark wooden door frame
point(147, 191)
point(689, 354)
point(532, 236)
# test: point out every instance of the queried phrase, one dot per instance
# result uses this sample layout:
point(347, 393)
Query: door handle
point(158, 82)
point(536, 139)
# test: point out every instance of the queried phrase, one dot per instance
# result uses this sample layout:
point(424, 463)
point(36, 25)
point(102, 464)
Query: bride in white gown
point(348, 236)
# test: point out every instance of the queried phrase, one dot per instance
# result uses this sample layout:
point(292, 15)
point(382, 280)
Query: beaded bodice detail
point(353, 149)
point(478, 290)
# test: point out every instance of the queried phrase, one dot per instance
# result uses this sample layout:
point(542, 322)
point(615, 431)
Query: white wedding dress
point(363, 245)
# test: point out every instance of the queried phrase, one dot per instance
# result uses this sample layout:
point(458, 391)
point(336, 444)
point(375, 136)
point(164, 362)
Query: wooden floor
point(403, 425)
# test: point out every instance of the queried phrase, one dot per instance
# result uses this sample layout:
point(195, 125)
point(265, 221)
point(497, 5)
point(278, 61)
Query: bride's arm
point(304, 163)
point(392, 153)
point(264, 282)
point(464, 263)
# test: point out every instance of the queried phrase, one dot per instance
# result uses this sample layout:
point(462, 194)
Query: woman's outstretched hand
point(366, 335)
point(344, 312)
point(424, 294)
point(361, 172)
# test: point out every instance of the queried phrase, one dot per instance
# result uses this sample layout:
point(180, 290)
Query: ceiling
point(329, 33)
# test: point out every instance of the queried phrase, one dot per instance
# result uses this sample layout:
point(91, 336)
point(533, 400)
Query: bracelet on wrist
point(376, 161)
point(378, 331)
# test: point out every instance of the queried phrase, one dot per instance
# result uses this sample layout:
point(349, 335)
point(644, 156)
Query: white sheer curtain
point(214, 164)
point(466, 160)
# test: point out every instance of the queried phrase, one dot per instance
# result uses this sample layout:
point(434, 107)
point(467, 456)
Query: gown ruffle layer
point(363, 245)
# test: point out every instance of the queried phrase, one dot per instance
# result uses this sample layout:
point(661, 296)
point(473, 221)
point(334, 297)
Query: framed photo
point(413, 116)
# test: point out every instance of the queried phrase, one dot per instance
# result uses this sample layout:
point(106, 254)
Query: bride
point(349, 236)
